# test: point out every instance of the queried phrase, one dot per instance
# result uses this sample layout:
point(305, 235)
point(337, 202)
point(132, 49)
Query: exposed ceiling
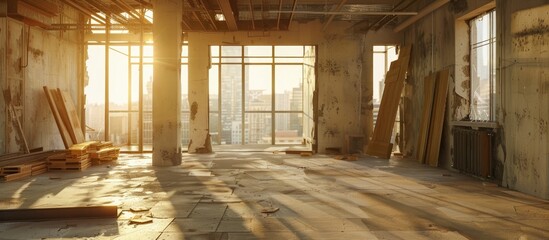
point(238, 15)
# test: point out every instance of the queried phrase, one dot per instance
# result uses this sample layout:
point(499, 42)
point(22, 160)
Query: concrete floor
point(222, 195)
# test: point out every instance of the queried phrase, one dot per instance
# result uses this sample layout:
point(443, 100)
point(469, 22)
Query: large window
point(483, 66)
point(256, 94)
point(125, 97)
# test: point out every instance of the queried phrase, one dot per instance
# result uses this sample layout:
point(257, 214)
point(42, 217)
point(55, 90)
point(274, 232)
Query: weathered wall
point(34, 58)
point(522, 84)
point(340, 85)
point(524, 147)
point(432, 38)
point(3, 77)
point(309, 86)
point(339, 76)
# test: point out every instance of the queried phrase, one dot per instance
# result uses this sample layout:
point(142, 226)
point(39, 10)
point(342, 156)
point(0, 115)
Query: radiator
point(472, 152)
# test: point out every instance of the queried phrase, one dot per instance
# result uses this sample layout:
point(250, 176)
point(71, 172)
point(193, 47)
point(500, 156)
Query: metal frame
point(243, 64)
point(491, 43)
point(141, 63)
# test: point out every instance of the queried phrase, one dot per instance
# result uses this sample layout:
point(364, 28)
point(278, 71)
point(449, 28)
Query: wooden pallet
point(14, 176)
point(39, 168)
point(69, 167)
point(16, 169)
point(62, 164)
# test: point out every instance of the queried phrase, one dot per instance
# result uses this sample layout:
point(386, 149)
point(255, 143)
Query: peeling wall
point(340, 83)
point(525, 109)
point(3, 77)
point(432, 40)
point(440, 41)
point(34, 58)
point(339, 75)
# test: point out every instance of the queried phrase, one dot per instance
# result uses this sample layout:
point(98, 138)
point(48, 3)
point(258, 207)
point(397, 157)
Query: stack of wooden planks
point(81, 156)
point(19, 166)
point(380, 145)
point(432, 121)
point(69, 161)
point(103, 152)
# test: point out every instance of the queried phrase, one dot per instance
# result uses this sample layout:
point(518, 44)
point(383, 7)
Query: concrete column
point(167, 83)
point(198, 95)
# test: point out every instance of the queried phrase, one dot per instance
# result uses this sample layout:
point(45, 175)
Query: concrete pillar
point(167, 83)
point(198, 95)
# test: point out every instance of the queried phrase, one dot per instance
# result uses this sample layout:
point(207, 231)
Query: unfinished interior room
point(274, 119)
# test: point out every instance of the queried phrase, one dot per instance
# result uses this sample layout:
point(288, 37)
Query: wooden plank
point(15, 121)
point(27, 158)
point(58, 213)
point(14, 176)
point(381, 149)
point(65, 136)
point(64, 115)
point(73, 116)
point(437, 118)
point(428, 96)
point(81, 148)
point(394, 83)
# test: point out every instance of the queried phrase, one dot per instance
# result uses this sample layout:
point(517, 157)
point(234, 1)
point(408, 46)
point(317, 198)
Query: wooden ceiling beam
point(334, 9)
point(228, 13)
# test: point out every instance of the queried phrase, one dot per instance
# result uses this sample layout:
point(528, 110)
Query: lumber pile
point(432, 122)
point(380, 145)
point(81, 156)
point(15, 167)
point(103, 152)
point(69, 162)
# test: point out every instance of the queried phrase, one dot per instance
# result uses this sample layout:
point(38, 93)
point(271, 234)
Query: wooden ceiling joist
point(292, 14)
point(228, 13)
point(334, 9)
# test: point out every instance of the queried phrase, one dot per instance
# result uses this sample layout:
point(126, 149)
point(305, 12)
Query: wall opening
point(261, 94)
point(118, 105)
point(383, 56)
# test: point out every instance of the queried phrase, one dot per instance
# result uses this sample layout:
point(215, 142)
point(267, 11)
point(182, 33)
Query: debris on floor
point(140, 219)
point(139, 209)
point(269, 210)
point(346, 157)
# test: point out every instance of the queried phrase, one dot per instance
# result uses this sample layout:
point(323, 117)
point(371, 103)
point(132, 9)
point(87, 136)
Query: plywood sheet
point(428, 96)
point(65, 136)
point(394, 83)
point(437, 118)
point(72, 114)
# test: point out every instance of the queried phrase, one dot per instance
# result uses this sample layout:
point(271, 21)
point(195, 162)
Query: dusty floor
point(222, 195)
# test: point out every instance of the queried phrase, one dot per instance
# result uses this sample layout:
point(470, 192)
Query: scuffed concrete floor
point(221, 196)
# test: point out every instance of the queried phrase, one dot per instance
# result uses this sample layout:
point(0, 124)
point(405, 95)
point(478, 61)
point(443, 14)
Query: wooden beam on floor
point(33, 214)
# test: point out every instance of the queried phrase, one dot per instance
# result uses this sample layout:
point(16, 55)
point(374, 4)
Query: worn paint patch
point(194, 110)
point(458, 6)
point(173, 156)
point(36, 53)
point(543, 130)
point(330, 66)
point(540, 29)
